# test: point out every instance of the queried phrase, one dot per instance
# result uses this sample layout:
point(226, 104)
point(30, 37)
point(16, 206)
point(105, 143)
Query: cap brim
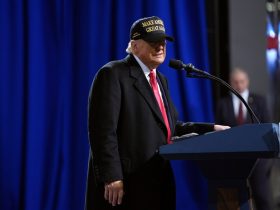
point(158, 37)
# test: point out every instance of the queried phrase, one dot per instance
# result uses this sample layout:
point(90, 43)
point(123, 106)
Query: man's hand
point(114, 192)
point(220, 127)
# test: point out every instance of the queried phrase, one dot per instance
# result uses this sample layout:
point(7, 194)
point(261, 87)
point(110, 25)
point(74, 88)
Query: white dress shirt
point(236, 102)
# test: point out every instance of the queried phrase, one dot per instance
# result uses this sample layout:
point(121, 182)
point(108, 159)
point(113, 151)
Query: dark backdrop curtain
point(50, 51)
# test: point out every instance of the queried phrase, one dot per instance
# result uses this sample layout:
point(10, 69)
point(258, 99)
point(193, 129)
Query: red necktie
point(154, 85)
point(240, 117)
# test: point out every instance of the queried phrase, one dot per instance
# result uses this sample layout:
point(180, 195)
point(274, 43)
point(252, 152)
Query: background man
point(231, 111)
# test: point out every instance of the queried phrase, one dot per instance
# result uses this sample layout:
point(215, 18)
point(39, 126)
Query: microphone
point(197, 73)
point(177, 64)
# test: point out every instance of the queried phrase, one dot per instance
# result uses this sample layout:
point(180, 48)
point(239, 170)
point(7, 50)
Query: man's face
point(239, 81)
point(152, 54)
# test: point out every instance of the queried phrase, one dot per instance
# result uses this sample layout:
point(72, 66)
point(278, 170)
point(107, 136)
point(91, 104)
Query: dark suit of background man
point(230, 113)
point(126, 127)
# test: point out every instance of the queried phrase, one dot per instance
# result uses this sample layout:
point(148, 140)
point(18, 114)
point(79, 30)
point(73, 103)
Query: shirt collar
point(244, 94)
point(145, 69)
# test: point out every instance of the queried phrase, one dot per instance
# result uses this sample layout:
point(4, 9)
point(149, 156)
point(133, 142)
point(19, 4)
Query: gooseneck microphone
point(197, 73)
point(179, 65)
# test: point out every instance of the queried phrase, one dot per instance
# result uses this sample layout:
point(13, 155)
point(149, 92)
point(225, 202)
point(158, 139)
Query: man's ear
point(134, 45)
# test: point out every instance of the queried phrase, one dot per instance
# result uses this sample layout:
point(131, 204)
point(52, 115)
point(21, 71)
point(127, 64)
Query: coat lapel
point(142, 86)
point(251, 103)
point(171, 110)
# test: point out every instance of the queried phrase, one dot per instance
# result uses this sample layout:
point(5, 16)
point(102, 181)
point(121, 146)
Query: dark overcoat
point(125, 130)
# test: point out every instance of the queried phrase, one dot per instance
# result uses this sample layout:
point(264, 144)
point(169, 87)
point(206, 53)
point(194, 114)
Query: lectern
point(226, 158)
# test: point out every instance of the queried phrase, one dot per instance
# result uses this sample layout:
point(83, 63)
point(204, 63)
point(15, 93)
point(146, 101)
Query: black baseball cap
point(150, 29)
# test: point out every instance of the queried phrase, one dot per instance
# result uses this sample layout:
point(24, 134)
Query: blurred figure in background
point(231, 111)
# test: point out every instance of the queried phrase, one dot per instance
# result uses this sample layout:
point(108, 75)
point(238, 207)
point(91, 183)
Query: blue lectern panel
point(247, 141)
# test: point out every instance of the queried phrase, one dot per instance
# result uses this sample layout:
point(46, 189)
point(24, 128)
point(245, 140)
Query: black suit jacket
point(225, 112)
point(125, 124)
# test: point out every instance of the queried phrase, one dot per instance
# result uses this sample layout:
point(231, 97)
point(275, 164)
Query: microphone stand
point(192, 72)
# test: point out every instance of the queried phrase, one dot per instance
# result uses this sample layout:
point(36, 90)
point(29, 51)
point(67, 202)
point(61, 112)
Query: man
point(130, 116)
point(232, 112)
